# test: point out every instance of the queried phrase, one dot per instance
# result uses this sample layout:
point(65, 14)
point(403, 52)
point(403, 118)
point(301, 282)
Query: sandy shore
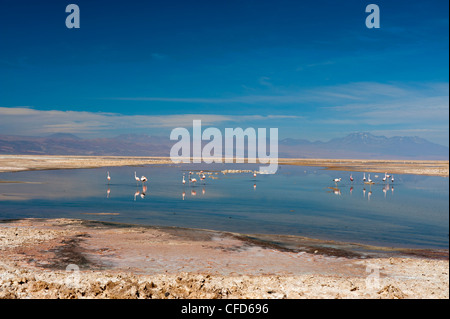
point(64, 258)
point(432, 168)
point(13, 163)
point(16, 163)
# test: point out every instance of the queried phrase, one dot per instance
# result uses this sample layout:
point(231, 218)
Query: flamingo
point(392, 180)
point(108, 178)
point(337, 180)
point(351, 178)
point(364, 177)
point(143, 179)
point(192, 180)
point(136, 178)
point(369, 180)
point(254, 174)
point(184, 182)
point(385, 176)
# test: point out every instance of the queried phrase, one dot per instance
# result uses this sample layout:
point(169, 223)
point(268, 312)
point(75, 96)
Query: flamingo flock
point(367, 180)
point(192, 181)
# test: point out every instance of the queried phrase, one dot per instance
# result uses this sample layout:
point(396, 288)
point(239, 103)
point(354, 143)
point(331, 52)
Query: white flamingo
point(184, 182)
point(143, 179)
point(369, 180)
point(392, 180)
point(364, 177)
point(136, 178)
point(385, 176)
point(337, 180)
point(108, 178)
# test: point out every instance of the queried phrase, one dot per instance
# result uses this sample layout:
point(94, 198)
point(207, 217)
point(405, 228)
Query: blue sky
point(311, 68)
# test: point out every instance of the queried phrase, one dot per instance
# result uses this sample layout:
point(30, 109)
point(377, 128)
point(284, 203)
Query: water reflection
point(140, 193)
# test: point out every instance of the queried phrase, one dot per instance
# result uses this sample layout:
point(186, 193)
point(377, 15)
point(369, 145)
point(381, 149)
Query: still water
point(303, 201)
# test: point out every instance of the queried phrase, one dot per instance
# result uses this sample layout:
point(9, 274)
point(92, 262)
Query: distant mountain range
point(364, 145)
point(356, 145)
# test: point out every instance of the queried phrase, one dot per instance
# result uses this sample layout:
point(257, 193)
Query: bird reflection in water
point(334, 190)
point(136, 194)
point(144, 190)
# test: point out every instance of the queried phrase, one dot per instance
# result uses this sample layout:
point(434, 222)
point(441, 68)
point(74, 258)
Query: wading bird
point(108, 178)
point(136, 178)
point(143, 179)
point(184, 182)
point(351, 178)
point(364, 177)
point(337, 180)
point(392, 180)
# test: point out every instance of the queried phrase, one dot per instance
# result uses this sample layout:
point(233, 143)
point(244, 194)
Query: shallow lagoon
point(303, 201)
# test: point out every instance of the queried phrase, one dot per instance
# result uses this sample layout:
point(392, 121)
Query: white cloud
point(28, 121)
